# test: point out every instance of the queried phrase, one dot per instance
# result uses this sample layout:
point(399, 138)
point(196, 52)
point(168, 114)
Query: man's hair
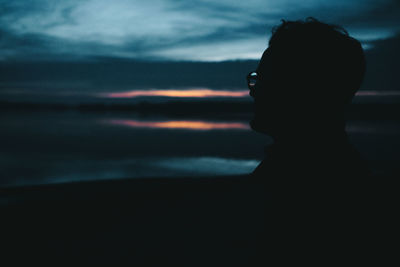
point(319, 57)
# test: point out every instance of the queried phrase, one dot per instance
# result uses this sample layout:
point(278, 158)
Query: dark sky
point(69, 46)
point(200, 30)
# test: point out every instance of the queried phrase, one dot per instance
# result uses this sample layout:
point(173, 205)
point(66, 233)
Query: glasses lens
point(252, 79)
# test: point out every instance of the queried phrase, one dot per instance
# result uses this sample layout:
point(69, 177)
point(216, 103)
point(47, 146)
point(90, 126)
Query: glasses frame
point(252, 76)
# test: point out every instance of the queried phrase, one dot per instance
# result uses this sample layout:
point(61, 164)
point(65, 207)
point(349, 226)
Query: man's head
point(306, 77)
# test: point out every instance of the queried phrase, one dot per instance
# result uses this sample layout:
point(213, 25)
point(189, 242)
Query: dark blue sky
point(201, 30)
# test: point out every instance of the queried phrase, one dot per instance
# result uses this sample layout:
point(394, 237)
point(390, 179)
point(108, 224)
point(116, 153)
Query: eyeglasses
point(252, 78)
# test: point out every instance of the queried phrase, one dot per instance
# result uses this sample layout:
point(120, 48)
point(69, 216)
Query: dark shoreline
point(209, 221)
point(149, 222)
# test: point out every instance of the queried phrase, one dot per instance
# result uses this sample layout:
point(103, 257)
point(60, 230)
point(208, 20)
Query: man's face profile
point(267, 94)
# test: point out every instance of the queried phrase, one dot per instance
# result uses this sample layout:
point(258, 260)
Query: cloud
point(171, 29)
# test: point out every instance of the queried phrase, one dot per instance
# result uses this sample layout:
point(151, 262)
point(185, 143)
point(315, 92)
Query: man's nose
point(254, 89)
point(251, 92)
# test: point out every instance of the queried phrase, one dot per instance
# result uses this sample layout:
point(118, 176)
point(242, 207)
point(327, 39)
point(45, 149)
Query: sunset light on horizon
point(180, 124)
point(208, 93)
point(195, 93)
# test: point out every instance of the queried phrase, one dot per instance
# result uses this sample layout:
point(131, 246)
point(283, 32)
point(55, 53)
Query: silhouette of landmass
point(226, 109)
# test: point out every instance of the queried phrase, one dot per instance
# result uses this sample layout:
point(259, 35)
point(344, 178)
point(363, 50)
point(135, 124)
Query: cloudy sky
point(205, 30)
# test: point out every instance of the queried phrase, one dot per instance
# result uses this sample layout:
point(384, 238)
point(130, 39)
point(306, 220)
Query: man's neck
point(314, 138)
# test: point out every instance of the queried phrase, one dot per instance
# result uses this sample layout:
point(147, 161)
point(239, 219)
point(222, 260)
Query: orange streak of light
point(177, 93)
point(188, 125)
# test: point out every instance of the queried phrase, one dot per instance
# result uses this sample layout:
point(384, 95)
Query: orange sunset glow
point(186, 125)
point(197, 93)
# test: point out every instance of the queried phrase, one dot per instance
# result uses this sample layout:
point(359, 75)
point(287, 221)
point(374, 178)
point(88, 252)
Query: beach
point(152, 222)
point(212, 221)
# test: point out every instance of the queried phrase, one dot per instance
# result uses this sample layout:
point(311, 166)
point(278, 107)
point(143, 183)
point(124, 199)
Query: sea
point(73, 137)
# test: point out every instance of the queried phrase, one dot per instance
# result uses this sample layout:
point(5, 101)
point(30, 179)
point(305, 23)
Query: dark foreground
point(186, 222)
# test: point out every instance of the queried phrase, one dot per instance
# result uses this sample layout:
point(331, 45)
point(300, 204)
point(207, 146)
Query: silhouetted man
point(301, 88)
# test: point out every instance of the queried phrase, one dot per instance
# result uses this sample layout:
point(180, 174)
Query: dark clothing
point(315, 161)
point(316, 203)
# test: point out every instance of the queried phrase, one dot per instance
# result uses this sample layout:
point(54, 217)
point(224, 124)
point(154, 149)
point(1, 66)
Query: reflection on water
point(53, 147)
point(209, 165)
point(196, 93)
point(180, 124)
point(202, 125)
point(73, 170)
point(42, 147)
